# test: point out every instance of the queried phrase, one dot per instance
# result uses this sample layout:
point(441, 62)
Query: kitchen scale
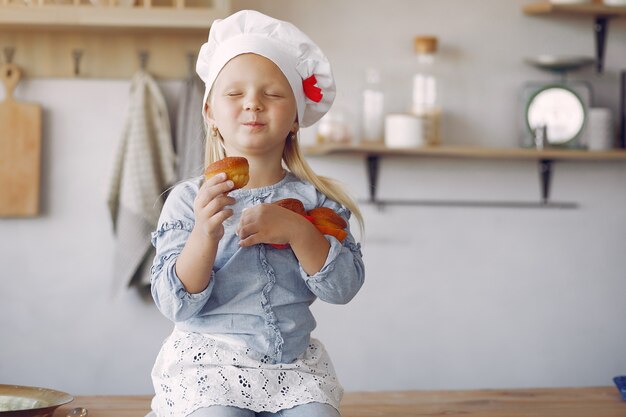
point(555, 113)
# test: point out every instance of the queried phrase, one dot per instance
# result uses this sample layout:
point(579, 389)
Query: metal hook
point(143, 59)
point(77, 54)
point(9, 51)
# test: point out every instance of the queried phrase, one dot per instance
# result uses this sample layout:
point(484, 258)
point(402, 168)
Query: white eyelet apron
point(195, 370)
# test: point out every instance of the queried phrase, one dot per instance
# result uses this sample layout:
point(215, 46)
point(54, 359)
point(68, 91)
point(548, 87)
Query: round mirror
point(560, 110)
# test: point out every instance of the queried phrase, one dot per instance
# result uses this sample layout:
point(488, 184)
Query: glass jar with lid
point(425, 100)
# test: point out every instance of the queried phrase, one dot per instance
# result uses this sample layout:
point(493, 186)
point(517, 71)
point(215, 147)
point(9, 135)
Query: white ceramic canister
point(404, 130)
point(600, 131)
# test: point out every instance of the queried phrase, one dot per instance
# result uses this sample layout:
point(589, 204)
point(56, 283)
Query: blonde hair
point(295, 162)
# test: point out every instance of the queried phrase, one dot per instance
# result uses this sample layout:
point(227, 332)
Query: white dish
point(560, 63)
point(570, 1)
point(614, 2)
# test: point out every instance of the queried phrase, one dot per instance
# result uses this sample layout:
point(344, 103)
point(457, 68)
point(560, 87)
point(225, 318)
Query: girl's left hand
point(269, 223)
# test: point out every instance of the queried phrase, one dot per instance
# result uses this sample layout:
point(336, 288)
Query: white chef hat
point(303, 63)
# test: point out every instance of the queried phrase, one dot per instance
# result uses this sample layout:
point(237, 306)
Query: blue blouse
point(258, 295)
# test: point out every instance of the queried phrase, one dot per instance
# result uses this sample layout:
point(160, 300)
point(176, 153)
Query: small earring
point(293, 135)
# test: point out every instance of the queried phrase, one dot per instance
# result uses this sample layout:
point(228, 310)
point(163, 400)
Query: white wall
point(454, 297)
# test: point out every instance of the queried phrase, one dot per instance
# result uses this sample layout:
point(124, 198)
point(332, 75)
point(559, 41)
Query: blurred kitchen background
point(455, 297)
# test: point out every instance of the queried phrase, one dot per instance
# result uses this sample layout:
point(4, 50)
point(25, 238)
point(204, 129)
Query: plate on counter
point(21, 401)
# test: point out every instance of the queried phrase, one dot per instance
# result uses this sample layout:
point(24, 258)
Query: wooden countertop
point(546, 402)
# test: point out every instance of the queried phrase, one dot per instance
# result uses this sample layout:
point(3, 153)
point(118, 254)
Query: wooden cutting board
point(20, 150)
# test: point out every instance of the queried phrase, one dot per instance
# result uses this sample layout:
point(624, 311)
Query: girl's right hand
point(209, 207)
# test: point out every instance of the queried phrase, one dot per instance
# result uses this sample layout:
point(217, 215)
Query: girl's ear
point(295, 127)
point(208, 115)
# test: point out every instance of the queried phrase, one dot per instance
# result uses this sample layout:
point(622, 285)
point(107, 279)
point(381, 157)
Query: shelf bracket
point(545, 172)
point(372, 175)
point(600, 28)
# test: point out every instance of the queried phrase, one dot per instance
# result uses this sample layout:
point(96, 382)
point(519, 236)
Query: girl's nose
point(253, 104)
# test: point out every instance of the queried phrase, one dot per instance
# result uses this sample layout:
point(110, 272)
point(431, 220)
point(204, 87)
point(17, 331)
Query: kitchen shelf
point(75, 38)
point(597, 10)
point(545, 159)
point(87, 17)
point(594, 9)
point(474, 152)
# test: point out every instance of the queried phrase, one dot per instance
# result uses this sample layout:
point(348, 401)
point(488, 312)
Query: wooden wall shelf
point(469, 152)
point(109, 37)
point(547, 8)
point(601, 14)
point(86, 17)
point(545, 159)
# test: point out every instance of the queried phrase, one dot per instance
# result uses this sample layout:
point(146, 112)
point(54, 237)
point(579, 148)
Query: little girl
point(242, 342)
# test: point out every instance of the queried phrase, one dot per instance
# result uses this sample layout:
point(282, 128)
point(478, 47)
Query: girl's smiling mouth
point(254, 124)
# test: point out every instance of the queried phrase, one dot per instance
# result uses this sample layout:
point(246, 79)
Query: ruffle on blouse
point(158, 265)
point(164, 227)
point(270, 317)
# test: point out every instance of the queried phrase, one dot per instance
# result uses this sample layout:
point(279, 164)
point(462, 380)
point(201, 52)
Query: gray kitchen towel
point(190, 129)
point(144, 168)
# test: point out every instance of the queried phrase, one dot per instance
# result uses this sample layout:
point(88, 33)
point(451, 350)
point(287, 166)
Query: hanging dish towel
point(190, 130)
point(143, 170)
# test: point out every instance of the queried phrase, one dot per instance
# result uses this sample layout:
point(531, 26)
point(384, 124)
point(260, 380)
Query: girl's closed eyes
point(268, 93)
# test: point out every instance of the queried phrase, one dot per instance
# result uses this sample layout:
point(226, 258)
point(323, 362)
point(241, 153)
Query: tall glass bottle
point(372, 117)
point(425, 102)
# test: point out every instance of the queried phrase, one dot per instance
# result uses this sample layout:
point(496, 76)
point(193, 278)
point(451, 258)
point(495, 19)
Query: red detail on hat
point(310, 90)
